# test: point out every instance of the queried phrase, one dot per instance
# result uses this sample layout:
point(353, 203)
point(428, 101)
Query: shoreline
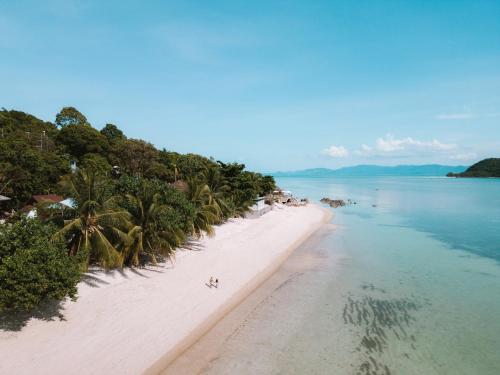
point(233, 302)
point(139, 320)
point(213, 346)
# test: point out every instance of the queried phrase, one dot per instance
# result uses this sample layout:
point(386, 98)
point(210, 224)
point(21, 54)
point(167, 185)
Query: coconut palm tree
point(219, 192)
point(98, 228)
point(207, 212)
point(151, 231)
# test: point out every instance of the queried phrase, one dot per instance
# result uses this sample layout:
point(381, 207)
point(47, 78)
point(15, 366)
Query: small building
point(258, 209)
point(52, 201)
point(259, 204)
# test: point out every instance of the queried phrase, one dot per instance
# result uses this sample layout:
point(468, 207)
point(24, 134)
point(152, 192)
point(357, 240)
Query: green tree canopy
point(112, 133)
point(80, 140)
point(70, 116)
point(33, 268)
point(134, 156)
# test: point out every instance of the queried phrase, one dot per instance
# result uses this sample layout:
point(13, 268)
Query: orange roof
point(180, 185)
point(47, 198)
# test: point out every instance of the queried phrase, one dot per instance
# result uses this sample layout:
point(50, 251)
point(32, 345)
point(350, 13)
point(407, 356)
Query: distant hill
point(485, 168)
point(376, 170)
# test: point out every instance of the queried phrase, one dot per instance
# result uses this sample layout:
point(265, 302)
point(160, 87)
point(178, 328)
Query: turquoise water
point(408, 282)
point(422, 276)
point(461, 213)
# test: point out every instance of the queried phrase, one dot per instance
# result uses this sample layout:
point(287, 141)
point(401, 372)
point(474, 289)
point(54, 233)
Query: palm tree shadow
point(16, 320)
point(193, 245)
point(92, 280)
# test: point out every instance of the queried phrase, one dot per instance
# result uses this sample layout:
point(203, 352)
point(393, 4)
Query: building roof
point(180, 185)
point(68, 202)
point(47, 198)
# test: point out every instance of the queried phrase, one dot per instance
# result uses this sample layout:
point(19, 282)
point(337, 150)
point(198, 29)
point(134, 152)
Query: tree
point(219, 192)
point(192, 165)
point(97, 163)
point(70, 116)
point(33, 268)
point(28, 170)
point(19, 125)
point(29, 159)
point(134, 156)
point(152, 230)
point(80, 140)
point(99, 228)
point(244, 186)
point(266, 185)
point(112, 133)
point(207, 213)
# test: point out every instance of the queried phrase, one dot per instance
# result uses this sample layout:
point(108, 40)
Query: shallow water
point(407, 283)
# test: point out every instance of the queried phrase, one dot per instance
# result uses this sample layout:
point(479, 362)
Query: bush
point(33, 269)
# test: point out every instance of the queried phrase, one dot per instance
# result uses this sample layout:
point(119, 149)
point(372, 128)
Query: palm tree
point(245, 191)
point(98, 228)
point(219, 192)
point(207, 212)
point(151, 229)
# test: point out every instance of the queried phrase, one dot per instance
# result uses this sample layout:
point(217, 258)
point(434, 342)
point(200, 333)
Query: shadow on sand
point(193, 245)
point(15, 321)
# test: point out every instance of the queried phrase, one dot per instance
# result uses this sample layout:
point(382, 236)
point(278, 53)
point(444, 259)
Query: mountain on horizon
point(427, 170)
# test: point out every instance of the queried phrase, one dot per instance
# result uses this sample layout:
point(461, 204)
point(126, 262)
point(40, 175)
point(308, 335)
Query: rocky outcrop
point(334, 203)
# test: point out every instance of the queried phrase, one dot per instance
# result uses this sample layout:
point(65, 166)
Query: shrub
point(34, 269)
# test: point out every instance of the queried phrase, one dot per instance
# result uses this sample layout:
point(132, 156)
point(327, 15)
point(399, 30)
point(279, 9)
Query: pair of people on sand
point(214, 282)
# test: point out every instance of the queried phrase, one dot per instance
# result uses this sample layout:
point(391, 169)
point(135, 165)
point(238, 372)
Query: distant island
point(428, 170)
point(484, 168)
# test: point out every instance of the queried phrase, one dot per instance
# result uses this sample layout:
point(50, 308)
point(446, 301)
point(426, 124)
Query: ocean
point(406, 280)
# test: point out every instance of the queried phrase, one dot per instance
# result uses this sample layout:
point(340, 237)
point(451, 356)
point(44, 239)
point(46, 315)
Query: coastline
point(138, 321)
point(217, 348)
point(258, 279)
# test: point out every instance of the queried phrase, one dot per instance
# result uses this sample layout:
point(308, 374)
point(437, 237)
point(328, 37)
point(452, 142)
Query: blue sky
point(278, 85)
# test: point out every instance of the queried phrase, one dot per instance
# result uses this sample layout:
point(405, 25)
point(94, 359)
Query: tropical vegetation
point(34, 268)
point(132, 203)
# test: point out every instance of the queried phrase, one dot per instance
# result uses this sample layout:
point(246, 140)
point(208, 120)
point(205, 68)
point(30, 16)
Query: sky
point(277, 85)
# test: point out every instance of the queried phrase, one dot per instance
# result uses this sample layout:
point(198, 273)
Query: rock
point(336, 202)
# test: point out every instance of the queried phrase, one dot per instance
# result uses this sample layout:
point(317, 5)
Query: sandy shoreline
point(137, 321)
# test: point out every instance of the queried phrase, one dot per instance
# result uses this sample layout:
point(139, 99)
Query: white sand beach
point(137, 321)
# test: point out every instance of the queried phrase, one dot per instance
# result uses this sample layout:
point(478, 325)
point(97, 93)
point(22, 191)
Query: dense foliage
point(485, 168)
point(133, 202)
point(33, 268)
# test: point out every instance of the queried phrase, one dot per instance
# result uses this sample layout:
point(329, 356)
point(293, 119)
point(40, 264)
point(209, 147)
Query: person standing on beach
point(216, 283)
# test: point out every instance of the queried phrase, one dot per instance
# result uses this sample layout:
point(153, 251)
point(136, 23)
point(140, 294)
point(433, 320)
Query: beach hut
point(258, 209)
point(51, 201)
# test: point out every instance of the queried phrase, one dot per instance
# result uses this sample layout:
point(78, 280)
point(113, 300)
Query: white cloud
point(336, 151)
point(390, 144)
point(365, 150)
